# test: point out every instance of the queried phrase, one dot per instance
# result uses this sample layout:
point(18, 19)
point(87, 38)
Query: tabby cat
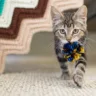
point(70, 26)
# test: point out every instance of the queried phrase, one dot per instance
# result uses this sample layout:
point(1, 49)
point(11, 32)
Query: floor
point(43, 83)
point(22, 79)
point(40, 76)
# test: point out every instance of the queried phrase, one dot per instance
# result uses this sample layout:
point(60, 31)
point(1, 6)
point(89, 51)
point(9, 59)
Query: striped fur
point(70, 26)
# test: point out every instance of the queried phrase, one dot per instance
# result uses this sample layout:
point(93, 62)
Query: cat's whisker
point(91, 39)
point(90, 47)
point(49, 44)
point(92, 44)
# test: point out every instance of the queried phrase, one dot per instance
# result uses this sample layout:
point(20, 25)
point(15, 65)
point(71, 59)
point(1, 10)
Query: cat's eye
point(75, 31)
point(62, 31)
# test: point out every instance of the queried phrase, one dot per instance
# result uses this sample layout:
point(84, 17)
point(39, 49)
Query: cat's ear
point(56, 15)
point(81, 14)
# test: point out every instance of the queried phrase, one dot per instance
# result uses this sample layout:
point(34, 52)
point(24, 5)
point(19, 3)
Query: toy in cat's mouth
point(72, 51)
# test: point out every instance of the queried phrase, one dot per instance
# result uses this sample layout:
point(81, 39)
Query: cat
point(70, 26)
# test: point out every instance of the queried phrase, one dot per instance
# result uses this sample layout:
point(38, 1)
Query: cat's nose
point(68, 39)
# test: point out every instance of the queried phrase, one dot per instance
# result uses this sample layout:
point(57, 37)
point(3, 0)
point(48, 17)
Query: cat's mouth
point(74, 41)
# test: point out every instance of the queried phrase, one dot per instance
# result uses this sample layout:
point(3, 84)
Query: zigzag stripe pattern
point(5, 47)
point(12, 31)
point(30, 26)
point(10, 5)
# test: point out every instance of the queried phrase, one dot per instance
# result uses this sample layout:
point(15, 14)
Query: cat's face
point(69, 27)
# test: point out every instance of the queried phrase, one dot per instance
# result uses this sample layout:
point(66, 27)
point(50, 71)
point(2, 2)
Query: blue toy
point(72, 51)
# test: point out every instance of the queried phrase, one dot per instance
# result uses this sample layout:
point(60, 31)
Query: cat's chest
point(61, 44)
point(59, 47)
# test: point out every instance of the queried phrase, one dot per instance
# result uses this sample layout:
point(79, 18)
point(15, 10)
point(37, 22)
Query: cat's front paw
point(78, 79)
point(65, 76)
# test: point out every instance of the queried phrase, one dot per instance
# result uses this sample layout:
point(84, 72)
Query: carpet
point(24, 77)
point(44, 82)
